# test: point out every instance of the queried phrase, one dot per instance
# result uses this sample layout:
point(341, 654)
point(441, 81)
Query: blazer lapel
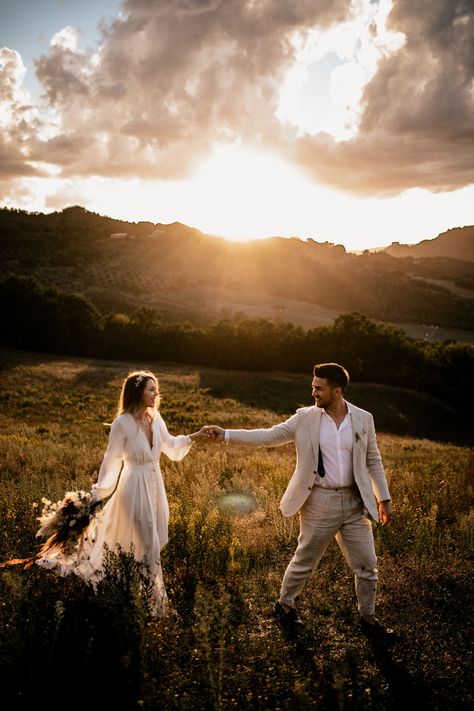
point(358, 429)
point(314, 425)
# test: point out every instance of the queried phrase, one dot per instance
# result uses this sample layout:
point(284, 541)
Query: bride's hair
point(132, 391)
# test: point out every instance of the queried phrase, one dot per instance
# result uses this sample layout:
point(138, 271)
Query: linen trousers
point(327, 513)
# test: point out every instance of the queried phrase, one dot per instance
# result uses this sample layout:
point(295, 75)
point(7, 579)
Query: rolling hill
point(457, 243)
point(187, 274)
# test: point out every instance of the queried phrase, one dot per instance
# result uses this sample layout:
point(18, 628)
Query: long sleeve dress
point(135, 518)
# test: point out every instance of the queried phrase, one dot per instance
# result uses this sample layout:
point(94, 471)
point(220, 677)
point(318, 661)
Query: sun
point(246, 194)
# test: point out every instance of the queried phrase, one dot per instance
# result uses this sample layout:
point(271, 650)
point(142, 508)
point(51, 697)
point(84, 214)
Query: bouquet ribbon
point(26, 562)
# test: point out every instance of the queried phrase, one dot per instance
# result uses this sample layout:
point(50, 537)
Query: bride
point(135, 518)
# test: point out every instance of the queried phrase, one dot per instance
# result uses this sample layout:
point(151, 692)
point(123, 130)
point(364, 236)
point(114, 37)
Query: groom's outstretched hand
point(214, 432)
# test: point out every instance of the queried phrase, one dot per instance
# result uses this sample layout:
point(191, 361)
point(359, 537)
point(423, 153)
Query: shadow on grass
point(403, 688)
point(92, 371)
point(395, 410)
point(338, 670)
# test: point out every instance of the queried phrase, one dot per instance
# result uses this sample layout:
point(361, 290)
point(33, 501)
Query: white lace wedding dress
point(136, 515)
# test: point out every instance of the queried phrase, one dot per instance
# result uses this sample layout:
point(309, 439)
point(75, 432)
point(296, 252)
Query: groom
point(338, 487)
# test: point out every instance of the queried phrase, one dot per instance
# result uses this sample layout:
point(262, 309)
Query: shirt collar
point(346, 422)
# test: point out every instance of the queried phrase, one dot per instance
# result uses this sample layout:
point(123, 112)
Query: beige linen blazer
point(302, 428)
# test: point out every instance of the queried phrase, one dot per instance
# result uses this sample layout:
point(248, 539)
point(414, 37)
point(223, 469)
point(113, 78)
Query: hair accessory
point(138, 380)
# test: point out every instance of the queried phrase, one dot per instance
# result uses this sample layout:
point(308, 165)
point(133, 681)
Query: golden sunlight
point(244, 194)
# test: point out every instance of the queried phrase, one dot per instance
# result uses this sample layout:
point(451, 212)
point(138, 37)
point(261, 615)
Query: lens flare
point(237, 504)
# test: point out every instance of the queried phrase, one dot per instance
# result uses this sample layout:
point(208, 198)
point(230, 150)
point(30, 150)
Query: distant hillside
point(457, 243)
point(186, 274)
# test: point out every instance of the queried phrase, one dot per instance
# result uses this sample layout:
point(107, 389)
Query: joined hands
point(213, 432)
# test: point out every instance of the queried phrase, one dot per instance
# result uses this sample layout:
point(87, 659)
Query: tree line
point(41, 318)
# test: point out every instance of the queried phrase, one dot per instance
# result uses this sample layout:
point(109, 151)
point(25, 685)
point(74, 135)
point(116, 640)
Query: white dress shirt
point(336, 450)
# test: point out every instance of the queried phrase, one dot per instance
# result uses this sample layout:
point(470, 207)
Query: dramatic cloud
point(417, 127)
point(172, 78)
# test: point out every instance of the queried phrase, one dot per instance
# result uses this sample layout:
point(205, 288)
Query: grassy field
point(63, 644)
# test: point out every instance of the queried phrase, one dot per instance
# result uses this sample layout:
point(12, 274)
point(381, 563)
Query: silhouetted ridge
point(187, 274)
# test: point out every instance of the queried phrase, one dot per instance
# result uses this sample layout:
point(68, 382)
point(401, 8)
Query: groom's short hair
point(334, 373)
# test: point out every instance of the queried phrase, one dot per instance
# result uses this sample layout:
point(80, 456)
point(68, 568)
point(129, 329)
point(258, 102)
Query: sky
point(348, 121)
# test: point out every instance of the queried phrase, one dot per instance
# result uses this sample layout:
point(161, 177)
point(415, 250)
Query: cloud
point(173, 78)
point(170, 80)
point(18, 119)
point(68, 38)
point(417, 125)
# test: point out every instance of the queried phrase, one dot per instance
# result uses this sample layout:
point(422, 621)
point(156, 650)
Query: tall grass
point(60, 639)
